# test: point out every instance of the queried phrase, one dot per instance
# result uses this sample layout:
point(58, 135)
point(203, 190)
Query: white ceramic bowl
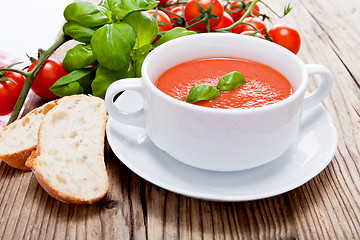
point(220, 139)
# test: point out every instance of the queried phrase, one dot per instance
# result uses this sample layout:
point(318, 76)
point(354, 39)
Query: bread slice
point(19, 139)
point(69, 159)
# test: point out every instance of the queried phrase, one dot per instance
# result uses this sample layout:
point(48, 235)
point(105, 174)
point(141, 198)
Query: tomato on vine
point(286, 36)
point(253, 34)
point(237, 9)
point(170, 4)
point(176, 16)
point(226, 21)
point(162, 2)
point(203, 15)
point(162, 19)
point(51, 71)
point(10, 91)
point(249, 25)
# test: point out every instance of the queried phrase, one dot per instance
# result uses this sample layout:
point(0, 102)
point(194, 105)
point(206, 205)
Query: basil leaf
point(112, 45)
point(78, 57)
point(104, 77)
point(76, 82)
point(145, 27)
point(231, 81)
point(86, 13)
point(138, 64)
point(120, 9)
point(172, 34)
point(139, 53)
point(202, 92)
point(78, 31)
point(106, 5)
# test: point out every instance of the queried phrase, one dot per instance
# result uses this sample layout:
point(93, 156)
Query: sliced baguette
point(19, 139)
point(69, 159)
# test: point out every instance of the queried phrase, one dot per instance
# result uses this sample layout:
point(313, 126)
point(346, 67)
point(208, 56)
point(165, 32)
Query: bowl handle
point(323, 90)
point(131, 118)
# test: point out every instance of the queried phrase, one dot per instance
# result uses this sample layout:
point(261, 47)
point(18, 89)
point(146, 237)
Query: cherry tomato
point(237, 9)
point(286, 36)
point(162, 2)
point(192, 11)
point(162, 19)
point(260, 25)
point(175, 19)
point(253, 34)
point(173, 6)
point(226, 21)
point(10, 92)
point(51, 71)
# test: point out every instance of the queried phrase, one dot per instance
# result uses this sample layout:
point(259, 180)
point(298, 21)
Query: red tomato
point(162, 2)
point(175, 19)
point(162, 19)
point(260, 25)
point(192, 11)
point(286, 36)
point(226, 21)
point(10, 92)
point(51, 71)
point(173, 6)
point(238, 8)
point(258, 35)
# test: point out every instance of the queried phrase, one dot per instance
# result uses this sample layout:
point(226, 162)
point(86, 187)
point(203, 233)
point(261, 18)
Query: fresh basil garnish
point(231, 81)
point(202, 92)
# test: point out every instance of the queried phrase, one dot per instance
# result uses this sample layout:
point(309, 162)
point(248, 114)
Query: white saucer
point(314, 149)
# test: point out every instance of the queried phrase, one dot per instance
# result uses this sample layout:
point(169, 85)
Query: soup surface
point(264, 85)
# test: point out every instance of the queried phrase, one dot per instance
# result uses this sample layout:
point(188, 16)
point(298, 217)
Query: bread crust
point(33, 163)
point(65, 197)
point(18, 159)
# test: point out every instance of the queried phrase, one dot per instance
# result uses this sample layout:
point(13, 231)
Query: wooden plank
point(327, 207)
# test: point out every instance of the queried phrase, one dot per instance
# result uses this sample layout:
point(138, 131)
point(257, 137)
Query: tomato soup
point(264, 85)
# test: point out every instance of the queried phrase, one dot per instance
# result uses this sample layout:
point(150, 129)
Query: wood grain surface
point(326, 207)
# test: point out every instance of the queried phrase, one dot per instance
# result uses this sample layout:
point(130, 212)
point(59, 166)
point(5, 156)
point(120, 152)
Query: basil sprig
point(202, 92)
point(228, 82)
point(118, 34)
point(112, 45)
point(231, 81)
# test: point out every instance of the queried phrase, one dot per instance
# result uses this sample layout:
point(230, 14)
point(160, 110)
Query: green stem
point(275, 13)
point(172, 4)
point(193, 25)
point(14, 70)
point(240, 21)
point(170, 12)
point(30, 76)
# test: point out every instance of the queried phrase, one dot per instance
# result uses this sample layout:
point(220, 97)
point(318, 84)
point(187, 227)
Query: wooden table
point(326, 207)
